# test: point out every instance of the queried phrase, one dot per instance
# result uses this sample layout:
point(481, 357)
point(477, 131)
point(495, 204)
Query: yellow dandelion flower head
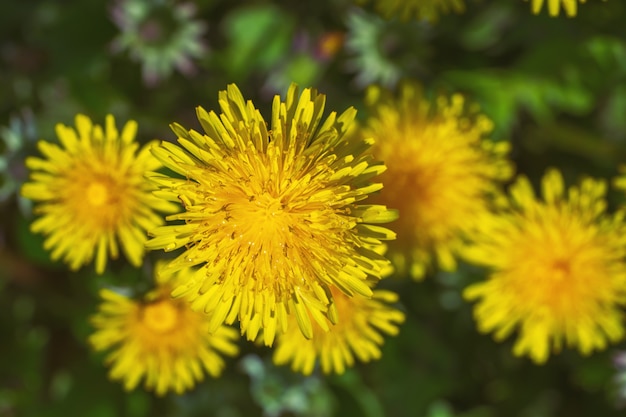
point(417, 9)
point(160, 340)
point(554, 6)
point(557, 269)
point(91, 193)
point(358, 332)
point(441, 174)
point(274, 217)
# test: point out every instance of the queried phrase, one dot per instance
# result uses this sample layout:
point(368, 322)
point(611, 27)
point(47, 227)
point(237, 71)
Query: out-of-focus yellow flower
point(274, 217)
point(557, 269)
point(441, 173)
point(357, 333)
point(91, 193)
point(160, 340)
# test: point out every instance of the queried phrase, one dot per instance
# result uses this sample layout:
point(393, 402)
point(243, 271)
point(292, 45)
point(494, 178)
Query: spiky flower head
point(159, 340)
point(557, 271)
point(554, 6)
point(443, 172)
point(161, 34)
point(91, 194)
point(274, 217)
point(358, 332)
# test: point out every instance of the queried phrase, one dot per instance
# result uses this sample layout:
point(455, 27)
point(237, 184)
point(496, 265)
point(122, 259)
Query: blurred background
point(554, 87)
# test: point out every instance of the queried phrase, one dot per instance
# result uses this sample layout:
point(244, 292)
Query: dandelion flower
point(357, 333)
point(160, 340)
point(557, 269)
point(91, 193)
point(417, 9)
point(554, 6)
point(275, 217)
point(441, 173)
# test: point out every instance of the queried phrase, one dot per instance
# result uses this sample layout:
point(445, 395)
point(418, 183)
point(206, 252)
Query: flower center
point(265, 216)
point(160, 317)
point(433, 210)
point(271, 209)
point(554, 265)
point(97, 194)
point(561, 268)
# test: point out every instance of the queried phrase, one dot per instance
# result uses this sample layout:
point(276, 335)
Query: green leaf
point(258, 36)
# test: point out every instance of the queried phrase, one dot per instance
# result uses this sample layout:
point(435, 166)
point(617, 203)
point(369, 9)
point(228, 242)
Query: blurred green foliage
point(556, 88)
